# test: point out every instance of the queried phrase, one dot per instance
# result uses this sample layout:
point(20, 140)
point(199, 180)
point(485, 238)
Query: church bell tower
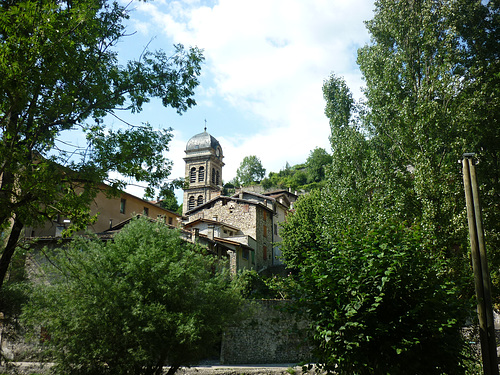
point(203, 170)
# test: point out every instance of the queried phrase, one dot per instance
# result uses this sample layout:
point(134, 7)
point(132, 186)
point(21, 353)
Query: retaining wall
point(268, 333)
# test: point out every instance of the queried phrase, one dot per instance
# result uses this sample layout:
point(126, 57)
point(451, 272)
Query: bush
point(132, 305)
point(380, 301)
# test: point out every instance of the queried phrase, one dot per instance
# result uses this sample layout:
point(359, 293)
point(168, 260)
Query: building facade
point(248, 218)
point(204, 162)
point(110, 211)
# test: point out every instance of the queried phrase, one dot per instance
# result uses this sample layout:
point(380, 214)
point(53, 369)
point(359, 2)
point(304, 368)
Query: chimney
point(211, 232)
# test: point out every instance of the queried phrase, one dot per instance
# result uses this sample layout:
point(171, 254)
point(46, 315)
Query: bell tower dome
point(203, 170)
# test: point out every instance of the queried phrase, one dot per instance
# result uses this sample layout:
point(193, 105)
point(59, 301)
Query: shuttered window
point(191, 203)
point(192, 175)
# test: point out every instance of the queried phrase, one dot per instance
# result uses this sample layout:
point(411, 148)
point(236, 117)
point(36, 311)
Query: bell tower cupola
point(203, 170)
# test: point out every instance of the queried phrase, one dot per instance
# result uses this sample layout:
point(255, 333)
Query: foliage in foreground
point(380, 298)
point(432, 93)
point(133, 305)
point(252, 285)
point(60, 76)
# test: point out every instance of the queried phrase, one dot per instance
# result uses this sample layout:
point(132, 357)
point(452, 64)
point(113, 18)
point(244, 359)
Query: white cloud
point(268, 58)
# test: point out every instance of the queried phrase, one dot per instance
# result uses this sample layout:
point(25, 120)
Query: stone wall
point(247, 216)
point(267, 334)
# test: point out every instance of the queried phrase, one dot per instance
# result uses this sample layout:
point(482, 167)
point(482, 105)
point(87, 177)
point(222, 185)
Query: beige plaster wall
point(108, 211)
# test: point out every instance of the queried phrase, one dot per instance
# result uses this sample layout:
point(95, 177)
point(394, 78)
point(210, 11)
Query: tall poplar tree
point(432, 85)
point(59, 72)
point(394, 192)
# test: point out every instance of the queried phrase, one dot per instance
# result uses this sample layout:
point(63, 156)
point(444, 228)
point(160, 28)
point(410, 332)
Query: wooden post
point(482, 281)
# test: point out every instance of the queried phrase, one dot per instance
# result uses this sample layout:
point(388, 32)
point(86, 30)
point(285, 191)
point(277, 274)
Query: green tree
point(133, 305)
point(393, 199)
point(349, 186)
point(379, 295)
point(432, 88)
point(168, 199)
point(316, 164)
point(250, 171)
point(427, 102)
point(59, 72)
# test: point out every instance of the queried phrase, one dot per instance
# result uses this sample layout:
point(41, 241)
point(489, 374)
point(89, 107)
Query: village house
point(110, 211)
point(246, 218)
point(244, 227)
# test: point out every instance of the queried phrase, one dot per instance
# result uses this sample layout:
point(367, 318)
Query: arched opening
point(200, 200)
point(191, 203)
point(192, 175)
point(213, 175)
point(217, 178)
point(201, 174)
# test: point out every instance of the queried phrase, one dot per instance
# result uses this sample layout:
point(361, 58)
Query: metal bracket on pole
point(482, 281)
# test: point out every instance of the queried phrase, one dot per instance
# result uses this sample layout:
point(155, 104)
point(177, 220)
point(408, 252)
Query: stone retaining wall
point(269, 333)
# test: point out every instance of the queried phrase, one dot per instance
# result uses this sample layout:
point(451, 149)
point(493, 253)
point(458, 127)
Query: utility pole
point(480, 268)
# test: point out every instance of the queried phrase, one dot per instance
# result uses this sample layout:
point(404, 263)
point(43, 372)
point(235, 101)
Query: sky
point(260, 89)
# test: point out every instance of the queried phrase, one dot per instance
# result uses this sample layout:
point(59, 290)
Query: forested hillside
point(300, 177)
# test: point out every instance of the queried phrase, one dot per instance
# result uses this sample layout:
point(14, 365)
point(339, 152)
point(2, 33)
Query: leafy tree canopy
point(250, 171)
point(132, 305)
point(379, 295)
point(317, 163)
point(59, 72)
point(393, 199)
point(395, 155)
point(168, 199)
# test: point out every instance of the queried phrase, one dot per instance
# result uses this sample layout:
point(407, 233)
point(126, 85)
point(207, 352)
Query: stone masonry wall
point(248, 218)
point(268, 334)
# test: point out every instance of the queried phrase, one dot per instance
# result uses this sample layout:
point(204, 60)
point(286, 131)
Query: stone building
point(248, 218)
point(203, 170)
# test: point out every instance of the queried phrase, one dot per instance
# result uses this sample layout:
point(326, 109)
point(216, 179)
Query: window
point(199, 202)
point(213, 175)
point(191, 203)
point(145, 211)
point(265, 215)
point(201, 174)
point(245, 254)
point(265, 230)
point(192, 175)
point(217, 178)
point(122, 205)
point(275, 228)
point(265, 252)
point(170, 221)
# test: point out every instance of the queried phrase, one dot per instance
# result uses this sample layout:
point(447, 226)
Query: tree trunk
point(9, 250)
point(173, 369)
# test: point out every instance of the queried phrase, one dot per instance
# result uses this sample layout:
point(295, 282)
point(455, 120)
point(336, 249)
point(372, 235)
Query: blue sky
point(261, 82)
